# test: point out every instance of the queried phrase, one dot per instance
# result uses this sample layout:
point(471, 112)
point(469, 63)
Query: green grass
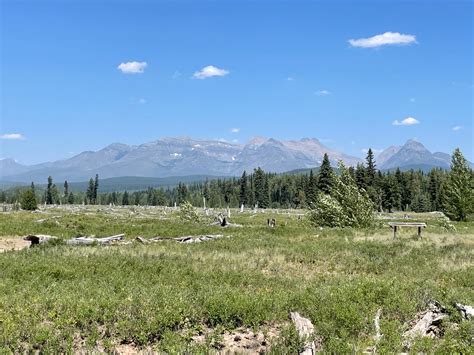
point(61, 298)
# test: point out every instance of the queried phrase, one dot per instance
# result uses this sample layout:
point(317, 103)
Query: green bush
point(28, 200)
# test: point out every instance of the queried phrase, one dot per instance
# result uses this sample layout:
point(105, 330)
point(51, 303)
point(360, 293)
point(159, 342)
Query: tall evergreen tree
point(243, 192)
point(459, 189)
point(261, 188)
point(361, 177)
point(326, 176)
point(371, 167)
point(49, 191)
point(70, 198)
point(28, 199)
point(312, 189)
point(96, 187)
point(125, 199)
point(90, 192)
point(66, 191)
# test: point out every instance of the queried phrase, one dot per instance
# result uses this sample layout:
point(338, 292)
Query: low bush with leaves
point(188, 213)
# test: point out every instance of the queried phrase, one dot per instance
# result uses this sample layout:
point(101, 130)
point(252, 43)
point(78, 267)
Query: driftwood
point(426, 324)
point(271, 222)
point(181, 240)
point(93, 240)
point(305, 330)
point(467, 312)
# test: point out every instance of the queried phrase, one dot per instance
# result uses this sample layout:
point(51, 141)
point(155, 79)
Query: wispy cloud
point(12, 136)
point(387, 38)
point(323, 93)
point(142, 101)
point(235, 130)
point(132, 67)
point(326, 140)
point(456, 128)
point(209, 72)
point(409, 121)
point(290, 78)
point(412, 99)
point(176, 74)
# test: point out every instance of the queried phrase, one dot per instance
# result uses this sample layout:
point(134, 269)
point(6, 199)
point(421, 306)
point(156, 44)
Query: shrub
point(28, 200)
point(346, 206)
point(188, 213)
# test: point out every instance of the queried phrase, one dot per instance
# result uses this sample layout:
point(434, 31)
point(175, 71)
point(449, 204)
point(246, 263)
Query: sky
point(79, 75)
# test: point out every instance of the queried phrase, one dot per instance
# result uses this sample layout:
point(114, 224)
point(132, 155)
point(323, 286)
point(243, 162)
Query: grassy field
point(175, 297)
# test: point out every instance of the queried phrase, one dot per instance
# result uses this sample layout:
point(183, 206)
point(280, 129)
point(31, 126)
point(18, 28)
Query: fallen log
point(183, 240)
point(93, 240)
point(305, 330)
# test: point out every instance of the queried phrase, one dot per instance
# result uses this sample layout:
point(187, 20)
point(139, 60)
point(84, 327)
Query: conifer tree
point(261, 188)
point(28, 199)
point(66, 191)
point(125, 199)
point(326, 176)
point(361, 177)
point(96, 187)
point(70, 198)
point(49, 192)
point(243, 193)
point(371, 168)
point(312, 189)
point(90, 192)
point(458, 199)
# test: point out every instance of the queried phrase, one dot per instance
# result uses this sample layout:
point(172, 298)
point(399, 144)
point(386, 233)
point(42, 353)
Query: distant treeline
point(396, 190)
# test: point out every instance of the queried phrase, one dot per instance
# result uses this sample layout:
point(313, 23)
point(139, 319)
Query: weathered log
point(426, 323)
point(467, 312)
point(378, 335)
point(142, 240)
point(93, 240)
point(305, 330)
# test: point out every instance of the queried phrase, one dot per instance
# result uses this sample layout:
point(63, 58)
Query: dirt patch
point(13, 243)
point(241, 340)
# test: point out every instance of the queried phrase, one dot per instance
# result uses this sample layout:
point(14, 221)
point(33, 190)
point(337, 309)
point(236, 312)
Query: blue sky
point(279, 69)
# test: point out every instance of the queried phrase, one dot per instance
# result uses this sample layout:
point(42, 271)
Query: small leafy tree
point(458, 201)
point(28, 200)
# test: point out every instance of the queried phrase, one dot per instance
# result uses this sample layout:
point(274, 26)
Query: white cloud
point(456, 128)
point(387, 38)
point(290, 78)
point(409, 121)
point(132, 67)
point(209, 72)
point(12, 136)
point(142, 101)
point(323, 93)
point(235, 130)
point(412, 99)
point(176, 74)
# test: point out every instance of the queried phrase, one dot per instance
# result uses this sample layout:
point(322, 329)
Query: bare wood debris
point(305, 330)
point(182, 240)
point(467, 312)
point(39, 238)
point(93, 240)
point(426, 323)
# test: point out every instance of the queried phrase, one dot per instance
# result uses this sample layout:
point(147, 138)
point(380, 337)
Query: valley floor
point(233, 293)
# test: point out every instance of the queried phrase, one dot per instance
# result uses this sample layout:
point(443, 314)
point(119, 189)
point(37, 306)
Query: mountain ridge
point(186, 156)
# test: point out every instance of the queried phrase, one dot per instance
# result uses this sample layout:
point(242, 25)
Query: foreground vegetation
point(159, 296)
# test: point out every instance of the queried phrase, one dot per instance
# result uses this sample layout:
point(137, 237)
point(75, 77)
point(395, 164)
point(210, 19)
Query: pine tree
point(326, 176)
point(33, 187)
point(49, 192)
point(90, 192)
point(243, 193)
point(66, 191)
point(361, 177)
point(70, 198)
point(458, 199)
point(96, 187)
point(28, 200)
point(261, 188)
point(371, 168)
point(125, 199)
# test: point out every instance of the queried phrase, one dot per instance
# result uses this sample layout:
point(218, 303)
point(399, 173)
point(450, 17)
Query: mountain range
point(184, 156)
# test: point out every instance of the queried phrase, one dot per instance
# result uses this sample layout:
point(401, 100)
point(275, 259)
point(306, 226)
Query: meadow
point(171, 297)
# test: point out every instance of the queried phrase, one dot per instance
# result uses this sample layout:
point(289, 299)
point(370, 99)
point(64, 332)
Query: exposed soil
point(13, 243)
